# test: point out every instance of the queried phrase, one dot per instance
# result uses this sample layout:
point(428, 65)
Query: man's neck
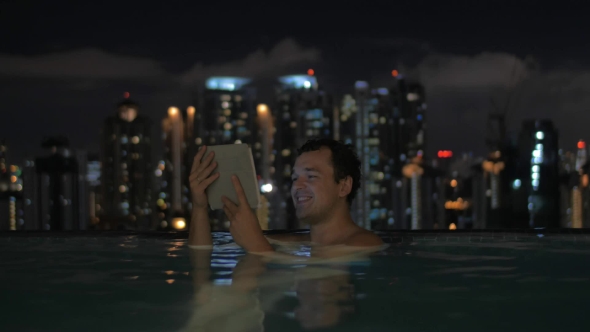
point(333, 230)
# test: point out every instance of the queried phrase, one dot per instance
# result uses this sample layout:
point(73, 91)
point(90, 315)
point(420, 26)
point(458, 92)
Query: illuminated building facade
point(11, 193)
point(367, 122)
point(60, 200)
point(174, 201)
point(303, 111)
point(126, 179)
point(410, 112)
point(535, 203)
point(226, 114)
point(93, 184)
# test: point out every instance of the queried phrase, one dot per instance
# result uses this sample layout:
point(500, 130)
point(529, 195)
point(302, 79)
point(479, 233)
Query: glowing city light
point(172, 111)
point(266, 188)
point(310, 72)
point(299, 81)
point(226, 83)
point(361, 85)
point(179, 223)
point(394, 73)
point(581, 144)
point(126, 95)
point(445, 154)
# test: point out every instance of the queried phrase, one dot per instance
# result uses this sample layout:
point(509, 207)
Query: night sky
point(65, 65)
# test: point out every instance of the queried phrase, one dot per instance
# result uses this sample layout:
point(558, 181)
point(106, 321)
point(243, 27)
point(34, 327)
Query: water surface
point(421, 282)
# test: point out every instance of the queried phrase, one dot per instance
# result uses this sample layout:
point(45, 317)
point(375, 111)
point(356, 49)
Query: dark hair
point(344, 160)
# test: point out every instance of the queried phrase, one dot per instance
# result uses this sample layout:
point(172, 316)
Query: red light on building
point(126, 95)
point(445, 154)
point(581, 144)
point(394, 73)
point(310, 72)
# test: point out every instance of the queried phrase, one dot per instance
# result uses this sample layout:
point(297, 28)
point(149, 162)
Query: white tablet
point(233, 159)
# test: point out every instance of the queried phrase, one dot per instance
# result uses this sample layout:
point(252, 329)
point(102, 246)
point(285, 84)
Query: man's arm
point(200, 228)
point(200, 178)
point(244, 226)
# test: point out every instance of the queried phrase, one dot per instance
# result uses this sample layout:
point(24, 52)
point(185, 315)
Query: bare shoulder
point(364, 238)
point(289, 237)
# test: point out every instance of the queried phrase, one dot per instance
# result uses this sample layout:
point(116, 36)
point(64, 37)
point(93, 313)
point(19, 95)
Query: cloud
point(80, 64)
point(90, 65)
point(285, 54)
point(462, 90)
point(484, 70)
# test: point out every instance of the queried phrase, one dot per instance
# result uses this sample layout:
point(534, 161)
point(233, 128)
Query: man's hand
point(200, 177)
point(244, 226)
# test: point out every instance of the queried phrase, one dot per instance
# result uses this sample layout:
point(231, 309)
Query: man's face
point(314, 191)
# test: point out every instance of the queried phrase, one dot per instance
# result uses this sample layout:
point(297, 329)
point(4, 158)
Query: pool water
point(421, 282)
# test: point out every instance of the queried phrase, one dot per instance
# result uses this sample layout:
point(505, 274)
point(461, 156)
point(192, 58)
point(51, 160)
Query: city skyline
point(69, 79)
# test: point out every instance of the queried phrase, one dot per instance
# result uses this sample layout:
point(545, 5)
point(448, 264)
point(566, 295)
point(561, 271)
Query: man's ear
point(345, 186)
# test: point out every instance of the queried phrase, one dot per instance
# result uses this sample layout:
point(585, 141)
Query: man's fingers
point(239, 190)
point(228, 213)
point(233, 208)
point(205, 183)
point(205, 173)
point(197, 159)
point(197, 171)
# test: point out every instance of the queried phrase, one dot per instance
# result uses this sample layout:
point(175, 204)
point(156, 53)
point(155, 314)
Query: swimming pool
point(444, 281)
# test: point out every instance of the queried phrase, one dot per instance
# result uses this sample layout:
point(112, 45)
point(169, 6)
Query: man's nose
point(298, 184)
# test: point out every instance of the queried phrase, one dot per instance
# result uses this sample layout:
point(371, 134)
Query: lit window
point(135, 139)
point(122, 188)
point(540, 135)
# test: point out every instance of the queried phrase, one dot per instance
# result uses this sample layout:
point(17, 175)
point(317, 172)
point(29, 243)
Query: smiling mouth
point(303, 199)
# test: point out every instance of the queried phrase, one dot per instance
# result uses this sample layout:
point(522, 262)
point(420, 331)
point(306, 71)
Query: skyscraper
point(60, 197)
point(367, 122)
point(226, 114)
point(302, 111)
point(174, 197)
point(536, 203)
point(93, 182)
point(126, 179)
point(11, 190)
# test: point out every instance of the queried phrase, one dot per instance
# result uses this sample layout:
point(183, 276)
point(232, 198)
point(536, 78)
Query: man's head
point(326, 175)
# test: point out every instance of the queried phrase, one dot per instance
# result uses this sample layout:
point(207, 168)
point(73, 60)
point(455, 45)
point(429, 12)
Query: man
point(326, 177)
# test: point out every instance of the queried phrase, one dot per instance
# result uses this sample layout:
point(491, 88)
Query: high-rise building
point(93, 182)
point(174, 202)
point(11, 193)
point(226, 114)
point(535, 202)
point(60, 203)
point(410, 112)
point(303, 111)
point(367, 122)
point(126, 179)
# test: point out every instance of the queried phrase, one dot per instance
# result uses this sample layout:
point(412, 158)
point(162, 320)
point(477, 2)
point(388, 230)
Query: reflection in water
point(324, 301)
point(259, 284)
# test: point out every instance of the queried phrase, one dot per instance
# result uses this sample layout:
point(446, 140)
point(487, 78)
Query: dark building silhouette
point(126, 178)
point(60, 197)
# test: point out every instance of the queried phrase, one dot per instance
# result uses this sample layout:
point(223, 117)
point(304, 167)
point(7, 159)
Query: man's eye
point(312, 176)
